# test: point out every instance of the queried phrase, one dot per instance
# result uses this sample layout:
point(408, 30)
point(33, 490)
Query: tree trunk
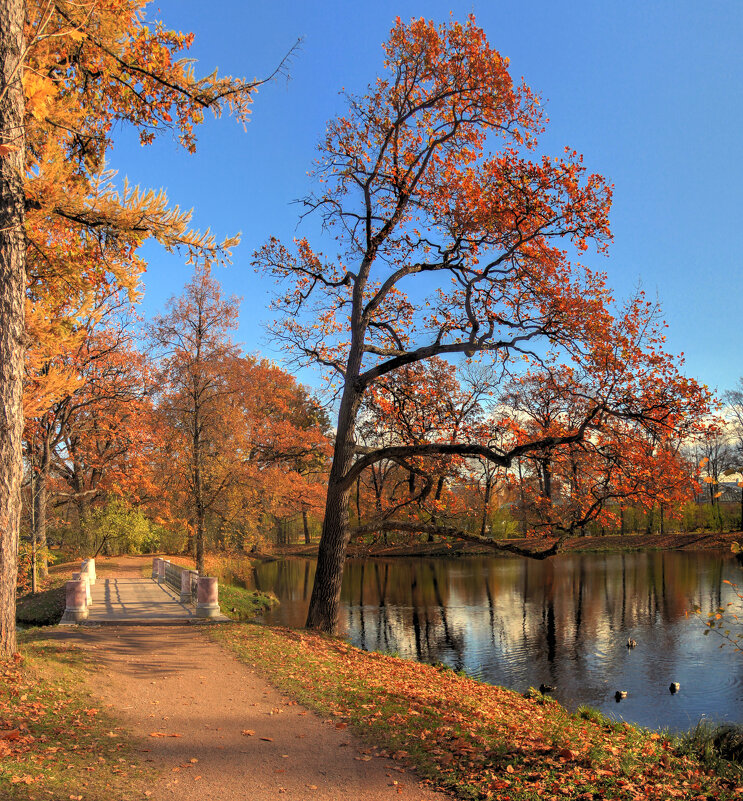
point(437, 496)
point(486, 505)
point(12, 290)
point(40, 506)
point(331, 555)
point(358, 501)
point(306, 527)
point(522, 498)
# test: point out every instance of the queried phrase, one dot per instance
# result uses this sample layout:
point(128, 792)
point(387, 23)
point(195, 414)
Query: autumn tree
point(193, 341)
point(420, 403)
point(12, 286)
point(624, 462)
point(71, 73)
point(448, 248)
point(107, 430)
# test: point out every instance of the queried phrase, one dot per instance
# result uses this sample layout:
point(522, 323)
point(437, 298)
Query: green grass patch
point(45, 608)
point(54, 741)
point(720, 747)
point(472, 739)
point(241, 604)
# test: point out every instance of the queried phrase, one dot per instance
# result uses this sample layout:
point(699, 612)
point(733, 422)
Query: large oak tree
point(454, 240)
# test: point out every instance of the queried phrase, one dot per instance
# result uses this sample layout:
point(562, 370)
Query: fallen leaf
point(267, 739)
point(247, 732)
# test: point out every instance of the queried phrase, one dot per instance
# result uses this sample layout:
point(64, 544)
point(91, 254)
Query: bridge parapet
point(199, 591)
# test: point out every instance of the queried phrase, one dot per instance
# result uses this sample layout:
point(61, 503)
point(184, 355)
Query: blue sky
point(649, 92)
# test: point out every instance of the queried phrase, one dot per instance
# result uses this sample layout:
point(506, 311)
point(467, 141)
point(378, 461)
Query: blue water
point(564, 622)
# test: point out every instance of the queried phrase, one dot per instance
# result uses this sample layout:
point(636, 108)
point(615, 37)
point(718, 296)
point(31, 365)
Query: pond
point(563, 622)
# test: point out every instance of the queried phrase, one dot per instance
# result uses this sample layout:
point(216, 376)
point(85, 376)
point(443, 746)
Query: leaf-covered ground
point(472, 739)
point(54, 742)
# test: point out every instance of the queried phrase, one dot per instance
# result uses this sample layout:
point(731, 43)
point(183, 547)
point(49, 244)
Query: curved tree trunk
point(12, 290)
point(331, 556)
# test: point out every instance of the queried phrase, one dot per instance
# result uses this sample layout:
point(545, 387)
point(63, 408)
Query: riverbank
point(474, 740)
point(694, 541)
point(101, 713)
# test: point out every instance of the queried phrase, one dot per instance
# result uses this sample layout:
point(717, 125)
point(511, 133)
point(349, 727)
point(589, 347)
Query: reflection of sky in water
point(520, 623)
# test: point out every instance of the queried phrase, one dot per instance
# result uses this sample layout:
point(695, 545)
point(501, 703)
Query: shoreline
point(693, 541)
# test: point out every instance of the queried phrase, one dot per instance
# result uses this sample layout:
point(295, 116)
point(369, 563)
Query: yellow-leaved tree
point(70, 72)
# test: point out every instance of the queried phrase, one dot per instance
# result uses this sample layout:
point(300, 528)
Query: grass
point(475, 740)
point(720, 747)
point(54, 743)
point(45, 608)
point(241, 604)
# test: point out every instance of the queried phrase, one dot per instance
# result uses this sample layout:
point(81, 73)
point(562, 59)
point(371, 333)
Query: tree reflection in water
point(564, 621)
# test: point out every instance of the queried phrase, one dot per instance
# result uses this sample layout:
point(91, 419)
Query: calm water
point(564, 621)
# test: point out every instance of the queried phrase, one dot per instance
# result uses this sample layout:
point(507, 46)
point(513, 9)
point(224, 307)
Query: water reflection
point(564, 622)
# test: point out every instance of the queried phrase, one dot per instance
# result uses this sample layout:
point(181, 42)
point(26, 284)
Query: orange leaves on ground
point(47, 726)
point(473, 739)
point(163, 734)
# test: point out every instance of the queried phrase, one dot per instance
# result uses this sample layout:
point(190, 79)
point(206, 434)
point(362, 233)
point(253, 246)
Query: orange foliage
point(448, 247)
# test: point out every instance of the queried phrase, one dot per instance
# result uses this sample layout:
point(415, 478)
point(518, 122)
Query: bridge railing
point(199, 591)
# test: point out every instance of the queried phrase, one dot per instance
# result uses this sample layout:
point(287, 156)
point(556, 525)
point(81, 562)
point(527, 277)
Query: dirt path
point(238, 738)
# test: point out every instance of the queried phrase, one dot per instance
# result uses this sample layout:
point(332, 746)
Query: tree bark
point(40, 506)
point(12, 291)
point(486, 505)
point(306, 526)
point(331, 556)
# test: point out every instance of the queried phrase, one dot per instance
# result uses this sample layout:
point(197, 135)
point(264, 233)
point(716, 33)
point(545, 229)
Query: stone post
point(207, 597)
point(185, 586)
point(161, 571)
point(88, 569)
point(76, 605)
point(86, 582)
point(156, 567)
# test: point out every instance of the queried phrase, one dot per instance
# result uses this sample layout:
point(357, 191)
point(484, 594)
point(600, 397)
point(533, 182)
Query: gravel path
point(237, 737)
